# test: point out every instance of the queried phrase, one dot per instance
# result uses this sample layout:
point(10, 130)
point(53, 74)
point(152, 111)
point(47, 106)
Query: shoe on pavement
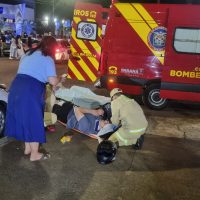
point(139, 143)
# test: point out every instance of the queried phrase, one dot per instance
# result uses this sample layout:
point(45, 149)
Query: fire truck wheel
point(2, 119)
point(152, 97)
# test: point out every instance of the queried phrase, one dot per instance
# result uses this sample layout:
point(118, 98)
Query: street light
point(55, 26)
point(46, 20)
point(63, 29)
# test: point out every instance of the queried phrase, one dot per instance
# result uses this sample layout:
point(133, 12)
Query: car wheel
point(2, 119)
point(152, 97)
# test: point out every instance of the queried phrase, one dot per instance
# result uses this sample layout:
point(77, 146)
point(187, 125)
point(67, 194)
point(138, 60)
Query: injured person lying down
point(86, 120)
point(81, 109)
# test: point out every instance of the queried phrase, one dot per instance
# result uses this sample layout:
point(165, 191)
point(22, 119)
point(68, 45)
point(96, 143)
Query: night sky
point(63, 8)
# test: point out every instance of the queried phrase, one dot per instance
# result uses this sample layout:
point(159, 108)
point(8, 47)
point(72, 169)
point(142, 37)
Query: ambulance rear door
point(86, 42)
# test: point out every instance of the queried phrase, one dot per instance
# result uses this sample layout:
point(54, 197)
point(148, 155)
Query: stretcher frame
point(93, 136)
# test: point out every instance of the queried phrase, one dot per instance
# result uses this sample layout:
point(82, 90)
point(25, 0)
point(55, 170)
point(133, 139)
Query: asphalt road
point(167, 168)
point(168, 122)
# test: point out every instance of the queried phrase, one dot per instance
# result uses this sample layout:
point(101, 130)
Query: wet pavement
point(180, 120)
point(166, 168)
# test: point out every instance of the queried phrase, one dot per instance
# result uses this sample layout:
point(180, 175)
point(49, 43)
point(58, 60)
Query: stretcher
point(82, 97)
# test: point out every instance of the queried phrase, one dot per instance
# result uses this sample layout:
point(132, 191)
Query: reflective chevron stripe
point(84, 62)
point(141, 22)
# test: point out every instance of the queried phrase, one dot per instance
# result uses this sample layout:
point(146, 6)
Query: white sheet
point(80, 92)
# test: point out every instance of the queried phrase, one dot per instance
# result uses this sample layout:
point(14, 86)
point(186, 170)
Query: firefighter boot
point(139, 143)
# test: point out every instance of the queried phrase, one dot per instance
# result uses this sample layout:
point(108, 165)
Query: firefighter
point(129, 116)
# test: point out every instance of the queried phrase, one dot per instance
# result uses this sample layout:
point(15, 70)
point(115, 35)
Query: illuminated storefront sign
point(1, 10)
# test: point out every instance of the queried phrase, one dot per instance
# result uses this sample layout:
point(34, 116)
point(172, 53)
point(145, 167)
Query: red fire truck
point(148, 49)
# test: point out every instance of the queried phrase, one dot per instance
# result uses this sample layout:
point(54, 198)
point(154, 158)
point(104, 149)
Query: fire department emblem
point(112, 70)
point(87, 30)
point(157, 38)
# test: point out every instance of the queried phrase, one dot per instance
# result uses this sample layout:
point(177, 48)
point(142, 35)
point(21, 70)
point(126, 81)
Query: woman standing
point(13, 49)
point(20, 48)
point(24, 120)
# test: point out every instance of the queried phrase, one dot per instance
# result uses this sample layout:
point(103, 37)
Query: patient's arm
point(79, 112)
point(97, 112)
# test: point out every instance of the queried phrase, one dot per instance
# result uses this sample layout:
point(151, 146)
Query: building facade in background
point(17, 15)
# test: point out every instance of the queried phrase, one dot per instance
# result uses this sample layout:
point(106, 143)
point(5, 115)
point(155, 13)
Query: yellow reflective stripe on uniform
point(75, 71)
point(82, 45)
point(121, 138)
point(140, 20)
point(85, 68)
point(137, 130)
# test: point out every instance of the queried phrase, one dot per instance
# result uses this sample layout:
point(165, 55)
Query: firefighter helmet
point(115, 91)
point(106, 152)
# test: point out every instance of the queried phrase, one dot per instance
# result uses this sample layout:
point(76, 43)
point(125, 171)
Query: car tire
point(2, 119)
point(152, 97)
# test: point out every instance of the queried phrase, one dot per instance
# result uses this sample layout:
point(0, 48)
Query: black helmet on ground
point(106, 152)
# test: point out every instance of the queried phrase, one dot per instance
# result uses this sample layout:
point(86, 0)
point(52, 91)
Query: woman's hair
point(46, 46)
